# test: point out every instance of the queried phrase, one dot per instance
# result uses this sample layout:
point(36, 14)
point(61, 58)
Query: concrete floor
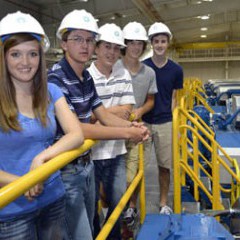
point(152, 187)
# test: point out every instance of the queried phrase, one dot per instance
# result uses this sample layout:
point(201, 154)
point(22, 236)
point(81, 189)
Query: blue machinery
point(182, 227)
point(208, 224)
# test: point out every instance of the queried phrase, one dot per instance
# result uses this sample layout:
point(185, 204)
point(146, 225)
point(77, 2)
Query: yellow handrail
point(139, 179)
point(15, 189)
point(181, 154)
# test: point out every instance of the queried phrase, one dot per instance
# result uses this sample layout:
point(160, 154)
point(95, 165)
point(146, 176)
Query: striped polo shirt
point(81, 96)
point(116, 90)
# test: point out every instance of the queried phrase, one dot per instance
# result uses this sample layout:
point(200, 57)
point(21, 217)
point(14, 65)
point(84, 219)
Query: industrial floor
point(152, 187)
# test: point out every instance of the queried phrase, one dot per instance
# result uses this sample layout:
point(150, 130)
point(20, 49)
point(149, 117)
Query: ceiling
point(182, 16)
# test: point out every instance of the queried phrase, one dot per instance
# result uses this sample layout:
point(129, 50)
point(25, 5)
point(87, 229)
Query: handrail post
point(142, 184)
point(216, 179)
point(195, 166)
point(176, 163)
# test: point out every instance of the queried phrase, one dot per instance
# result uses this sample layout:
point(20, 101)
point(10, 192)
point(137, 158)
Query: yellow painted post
point(142, 184)
point(107, 227)
point(176, 163)
point(216, 205)
point(183, 147)
point(195, 166)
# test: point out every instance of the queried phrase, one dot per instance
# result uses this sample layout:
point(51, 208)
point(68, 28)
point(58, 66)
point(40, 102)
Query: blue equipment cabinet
point(182, 227)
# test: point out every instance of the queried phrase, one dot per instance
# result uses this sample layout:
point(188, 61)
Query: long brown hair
point(8, 104)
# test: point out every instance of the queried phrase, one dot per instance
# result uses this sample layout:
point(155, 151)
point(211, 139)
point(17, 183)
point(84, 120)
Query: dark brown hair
point(123, 50)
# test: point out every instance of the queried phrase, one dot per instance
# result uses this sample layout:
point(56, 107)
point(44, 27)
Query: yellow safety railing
point(15, 189)
point(139, 179)
point(184, 122)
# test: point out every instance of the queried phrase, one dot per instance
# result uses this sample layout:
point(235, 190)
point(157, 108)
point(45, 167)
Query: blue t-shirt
point(169, 78)
point(17, 150)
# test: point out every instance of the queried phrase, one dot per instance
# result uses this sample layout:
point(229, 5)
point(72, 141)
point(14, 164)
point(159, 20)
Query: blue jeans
point(44, 224)
point(112, 174)
point(79, 184)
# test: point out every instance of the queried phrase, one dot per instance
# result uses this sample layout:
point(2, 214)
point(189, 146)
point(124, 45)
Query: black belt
point(82, 159)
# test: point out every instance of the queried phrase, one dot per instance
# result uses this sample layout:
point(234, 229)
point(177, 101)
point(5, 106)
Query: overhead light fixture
point(205, 17)
point(204, 36)
point(204, 29)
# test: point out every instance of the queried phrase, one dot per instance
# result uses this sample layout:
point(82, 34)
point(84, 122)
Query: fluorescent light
point(204, 36)
point(204, 29)
point(205, 17)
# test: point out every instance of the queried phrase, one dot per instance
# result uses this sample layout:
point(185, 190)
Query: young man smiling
point(144, 88)
point(77, 33)
point(169, 77)
point(114, 87)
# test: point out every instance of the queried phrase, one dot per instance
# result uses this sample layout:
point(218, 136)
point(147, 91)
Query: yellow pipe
point(142, 185)
point(195, 166)
point(177, 159)
point(119, 208)
point(193, 175)
point(216, 179)
point(202, 122)
point(15, 189)
point(139, 179)
point(176, 164)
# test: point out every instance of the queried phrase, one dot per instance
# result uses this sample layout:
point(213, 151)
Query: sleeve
point(55, 80)
point(96, 101)
point(127, 95)
point(179, 78)
point(153, 85)
point(55, 92)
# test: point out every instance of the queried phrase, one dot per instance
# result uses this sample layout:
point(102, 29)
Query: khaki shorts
point(161, 138)
point(132, 161)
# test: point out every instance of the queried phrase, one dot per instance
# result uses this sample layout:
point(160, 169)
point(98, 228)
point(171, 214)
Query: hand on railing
point(136, 114)
point(144, 130)
point(36, 190)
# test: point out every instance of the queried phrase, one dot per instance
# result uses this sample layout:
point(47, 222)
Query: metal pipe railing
point(139, 179)
point(181, 166)
point(18, 187)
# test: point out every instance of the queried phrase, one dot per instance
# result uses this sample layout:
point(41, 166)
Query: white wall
point(212, 70)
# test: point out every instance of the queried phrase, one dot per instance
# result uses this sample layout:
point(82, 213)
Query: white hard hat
point(135, 31)
point(110, 32)
point(19, 22)
point(158, 28)
point(78, 19)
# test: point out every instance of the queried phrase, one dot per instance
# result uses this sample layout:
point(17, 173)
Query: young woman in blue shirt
point(28, 108)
